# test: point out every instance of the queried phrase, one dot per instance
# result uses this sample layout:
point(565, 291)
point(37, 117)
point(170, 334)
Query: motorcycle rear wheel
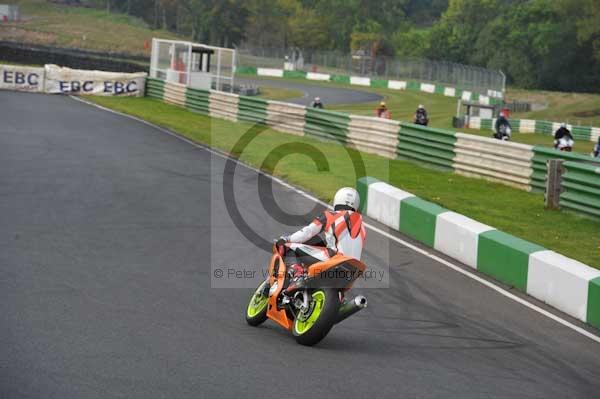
point(256, 312)
point(312, 326)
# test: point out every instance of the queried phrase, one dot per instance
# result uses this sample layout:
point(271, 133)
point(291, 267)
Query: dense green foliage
point(549, 44)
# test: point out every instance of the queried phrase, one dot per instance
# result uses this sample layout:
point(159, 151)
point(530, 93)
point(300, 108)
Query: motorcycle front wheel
point(256, 312)
point(312, 325)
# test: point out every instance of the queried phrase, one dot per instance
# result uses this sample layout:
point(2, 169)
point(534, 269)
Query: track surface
point(329, 95)
point(109, 229)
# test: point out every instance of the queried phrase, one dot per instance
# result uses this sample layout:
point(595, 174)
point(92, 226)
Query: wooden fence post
point(553, 183)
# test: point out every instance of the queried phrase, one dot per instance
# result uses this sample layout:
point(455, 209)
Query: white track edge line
point(375, 229)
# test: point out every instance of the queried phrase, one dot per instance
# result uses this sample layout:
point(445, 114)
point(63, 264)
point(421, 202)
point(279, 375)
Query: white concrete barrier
point(397, 84)
point(383, 203)
point(360, 81)
point(427, 87)
point(466, 95)
point(458, 237)
point(450, 92)
point(527, 126)
point(560, 281)
point(284, 117)
point(21, 78)
point(318, 76)
point(374, 135)
point(223, 105)
point(174, 93)
point(278, 73)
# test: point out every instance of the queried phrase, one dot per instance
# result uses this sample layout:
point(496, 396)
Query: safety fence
point(561, 282)
point(518, 165)
point(489, 97)
point(586, 133)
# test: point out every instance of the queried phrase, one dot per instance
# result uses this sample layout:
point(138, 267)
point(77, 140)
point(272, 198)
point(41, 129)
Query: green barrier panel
point(474, 96)
point(197, 101)
point(581, 188)
point(458, 92)
point(582, 133)
point(326, 125)
point(486, 123)
point(543, 154)
point(432, 146)
point(294, 74)
point(593, 303)
point(496, 101)
point(155, 88)
point(362, 186)
point(439, 89)
point(544, 127)
point(515, 124)
point(247, 70)
point(418, 218)
point(340, 79)
point(505, 257)
point(412, 85)
point(252, 110)
point(379, 83)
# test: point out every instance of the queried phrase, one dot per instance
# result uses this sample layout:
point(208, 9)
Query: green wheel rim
point(258, 302)
point(303, 324)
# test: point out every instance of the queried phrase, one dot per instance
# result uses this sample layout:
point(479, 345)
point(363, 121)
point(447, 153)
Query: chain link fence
point(394, 68)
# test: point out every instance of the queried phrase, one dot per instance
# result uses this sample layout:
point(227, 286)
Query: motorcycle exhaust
point(348, 308)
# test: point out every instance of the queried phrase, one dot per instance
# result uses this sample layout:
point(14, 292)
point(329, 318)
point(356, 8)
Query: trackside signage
point(21, 78)
point(81, 82)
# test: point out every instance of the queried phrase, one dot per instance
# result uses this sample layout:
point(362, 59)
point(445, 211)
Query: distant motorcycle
point(565, 144)
point(311, 311)
point(504, 133)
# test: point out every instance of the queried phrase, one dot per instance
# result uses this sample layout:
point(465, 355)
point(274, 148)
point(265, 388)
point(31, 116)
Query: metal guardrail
point(581, 188)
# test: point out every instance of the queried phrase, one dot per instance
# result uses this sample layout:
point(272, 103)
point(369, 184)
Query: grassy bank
point(79, 27)
point(278, 94)
point(514, 211)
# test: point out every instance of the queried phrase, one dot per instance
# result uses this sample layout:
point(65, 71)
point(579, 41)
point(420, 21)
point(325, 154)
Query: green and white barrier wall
point(586, 133)
point(492, 97)
point(561, 282)
point(519, 165)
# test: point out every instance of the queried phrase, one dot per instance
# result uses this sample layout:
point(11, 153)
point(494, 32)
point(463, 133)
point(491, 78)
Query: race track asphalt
point(110, 233)
point(328, 95)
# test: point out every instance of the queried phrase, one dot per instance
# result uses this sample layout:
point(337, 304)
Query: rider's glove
point(281, 241)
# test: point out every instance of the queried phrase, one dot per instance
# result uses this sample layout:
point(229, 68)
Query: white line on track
point(438, 259)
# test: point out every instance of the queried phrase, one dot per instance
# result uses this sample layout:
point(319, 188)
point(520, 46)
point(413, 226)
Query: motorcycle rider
point(502, 127)
point(563, 139)
point(421, 116)
point(340, 231)
point(382, 111)
point(317, 103)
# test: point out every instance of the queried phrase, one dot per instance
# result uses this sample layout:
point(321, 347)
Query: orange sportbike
point(311, 310)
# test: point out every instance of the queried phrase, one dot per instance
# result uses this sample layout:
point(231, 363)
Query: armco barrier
point(327, 125)
point(253, 110)
point(223, 105)
point(563, 283)
point(581, 188)
point(373, 135)
point(155, 88)
point(288, 118)
point(493, 160)
point(198, 101)
point(174, 93)
point(426, 145)
point(585, 133)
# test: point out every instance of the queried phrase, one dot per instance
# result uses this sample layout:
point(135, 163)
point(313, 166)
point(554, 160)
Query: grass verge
point(279, 94)
point(513, 211)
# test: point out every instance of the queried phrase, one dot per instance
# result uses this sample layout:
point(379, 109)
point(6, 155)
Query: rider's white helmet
point(347, 196)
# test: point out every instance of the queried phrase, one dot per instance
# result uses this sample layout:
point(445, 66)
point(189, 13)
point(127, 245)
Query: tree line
point(549, 44)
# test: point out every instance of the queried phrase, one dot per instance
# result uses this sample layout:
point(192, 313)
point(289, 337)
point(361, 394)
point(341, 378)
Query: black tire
point(256, 319)
point(325, 321)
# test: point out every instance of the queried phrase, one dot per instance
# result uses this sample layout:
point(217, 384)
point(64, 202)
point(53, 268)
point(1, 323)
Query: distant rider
point(382, 111)
point(502, 127)
point(563, 139)
point(421, 116)
point(340, 231)
point(317, 103)
point(596, 152)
